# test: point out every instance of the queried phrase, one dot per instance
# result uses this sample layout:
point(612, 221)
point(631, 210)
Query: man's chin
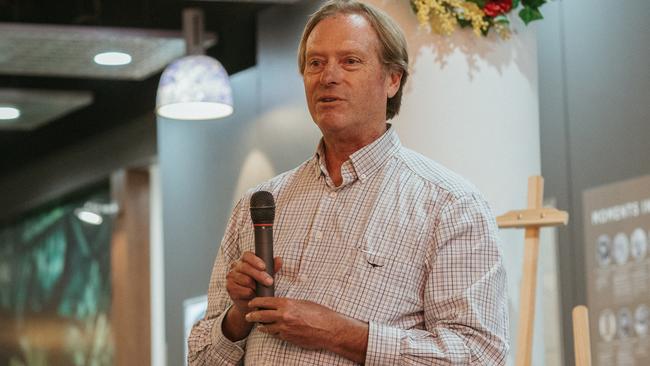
point(331, 121)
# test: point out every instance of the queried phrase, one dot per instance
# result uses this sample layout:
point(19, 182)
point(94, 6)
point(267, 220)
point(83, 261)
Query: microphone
point(262, 213)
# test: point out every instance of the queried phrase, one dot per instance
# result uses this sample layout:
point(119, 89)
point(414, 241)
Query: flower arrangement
point(444, 16)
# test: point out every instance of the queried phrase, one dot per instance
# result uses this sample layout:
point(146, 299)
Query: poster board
point(617, 224)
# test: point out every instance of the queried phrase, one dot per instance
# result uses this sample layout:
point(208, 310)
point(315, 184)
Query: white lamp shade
point(194, 88)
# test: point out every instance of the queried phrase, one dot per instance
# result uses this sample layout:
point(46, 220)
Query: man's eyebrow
point(350, 51)
point(312, 53)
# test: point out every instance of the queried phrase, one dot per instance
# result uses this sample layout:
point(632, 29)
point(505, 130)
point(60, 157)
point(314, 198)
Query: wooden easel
point(531, 219)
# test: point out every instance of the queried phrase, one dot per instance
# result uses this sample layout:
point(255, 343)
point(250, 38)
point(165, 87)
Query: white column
point(472, 105)
point(156, 264)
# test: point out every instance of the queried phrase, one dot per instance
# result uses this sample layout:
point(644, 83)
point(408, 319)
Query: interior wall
point(594, 93)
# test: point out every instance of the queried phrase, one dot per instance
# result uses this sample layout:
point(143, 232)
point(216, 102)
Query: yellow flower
point(502, 30)
point(471, 12)
point(443, 16)
point(443, 21)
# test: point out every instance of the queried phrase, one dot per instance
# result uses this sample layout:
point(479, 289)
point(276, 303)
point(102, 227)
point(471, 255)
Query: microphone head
point(262, 207)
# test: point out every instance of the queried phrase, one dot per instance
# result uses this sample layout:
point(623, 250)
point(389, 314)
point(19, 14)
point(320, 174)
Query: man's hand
point(240, 284)
point(310, 325)
point(240, 280)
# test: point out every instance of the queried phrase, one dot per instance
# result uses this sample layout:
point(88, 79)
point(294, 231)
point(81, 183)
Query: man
point(384, 257)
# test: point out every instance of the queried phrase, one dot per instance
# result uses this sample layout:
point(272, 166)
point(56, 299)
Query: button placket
point(317, 231)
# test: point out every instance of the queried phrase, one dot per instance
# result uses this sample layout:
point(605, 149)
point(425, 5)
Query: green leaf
point(533, 3)
point(515, 4)
point(413, 7)
point(529, 14)
point(480, 3)
point(501, 19)
point(464, 23)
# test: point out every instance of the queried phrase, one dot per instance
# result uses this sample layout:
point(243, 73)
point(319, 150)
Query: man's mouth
point(328, 99)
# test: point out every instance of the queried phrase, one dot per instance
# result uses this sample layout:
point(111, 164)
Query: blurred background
point(111, 215)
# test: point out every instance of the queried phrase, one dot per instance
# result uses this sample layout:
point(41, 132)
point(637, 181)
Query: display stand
point(530, 219)
point(581, 345)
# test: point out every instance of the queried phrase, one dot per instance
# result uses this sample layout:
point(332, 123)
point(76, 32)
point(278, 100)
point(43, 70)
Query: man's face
point(345, 83)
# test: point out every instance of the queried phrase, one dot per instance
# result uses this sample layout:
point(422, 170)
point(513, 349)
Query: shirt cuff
point(234, 350)
point(383, 345)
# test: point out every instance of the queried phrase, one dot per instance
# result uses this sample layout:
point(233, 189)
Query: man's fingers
point(253, 260)
point(245, 293)
point(263, 316)
point(238, 292)
point(241, 279)
point(267, 302)
point(277, 261)
point(256, 274)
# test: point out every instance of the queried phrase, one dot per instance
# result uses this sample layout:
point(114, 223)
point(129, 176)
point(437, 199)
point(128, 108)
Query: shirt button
point(362, 177)
point(332, 194)
point(319, 235)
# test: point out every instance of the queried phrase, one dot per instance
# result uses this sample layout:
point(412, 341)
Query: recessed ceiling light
point(112, 58)
point(9, 113)
point(89, 217)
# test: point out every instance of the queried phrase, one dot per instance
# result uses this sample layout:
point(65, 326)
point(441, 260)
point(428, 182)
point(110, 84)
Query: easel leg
point(527, 299)
point(581, 340)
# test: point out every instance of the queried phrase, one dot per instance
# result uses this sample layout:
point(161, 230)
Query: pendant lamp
point(195, 87)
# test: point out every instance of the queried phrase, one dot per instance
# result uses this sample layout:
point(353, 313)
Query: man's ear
point(393, 81)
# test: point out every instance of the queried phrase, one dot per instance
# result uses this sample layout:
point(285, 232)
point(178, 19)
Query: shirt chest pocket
point(380, 287)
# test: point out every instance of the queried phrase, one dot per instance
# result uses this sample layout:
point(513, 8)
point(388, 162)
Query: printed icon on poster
point(621, 249)
point(624, 323)
point(607, 325)
point(604, 250)
point(639, 246)
point(641, 317)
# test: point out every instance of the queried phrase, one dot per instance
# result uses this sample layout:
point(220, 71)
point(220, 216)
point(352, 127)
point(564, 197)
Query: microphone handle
point(264, 250)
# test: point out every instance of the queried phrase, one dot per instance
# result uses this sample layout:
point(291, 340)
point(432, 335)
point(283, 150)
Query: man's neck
point(338, 150)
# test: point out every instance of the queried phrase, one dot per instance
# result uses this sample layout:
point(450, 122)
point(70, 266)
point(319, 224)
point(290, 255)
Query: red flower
point(496, 7)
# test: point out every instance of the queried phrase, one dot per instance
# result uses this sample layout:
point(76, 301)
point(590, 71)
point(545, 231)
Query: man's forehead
point(352, 31)
point(357, 20)
point(353, 21)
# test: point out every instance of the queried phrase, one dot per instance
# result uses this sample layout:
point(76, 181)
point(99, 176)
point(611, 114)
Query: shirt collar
point(366, 161)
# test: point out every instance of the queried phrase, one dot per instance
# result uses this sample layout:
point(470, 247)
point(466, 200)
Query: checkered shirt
point(402, 244)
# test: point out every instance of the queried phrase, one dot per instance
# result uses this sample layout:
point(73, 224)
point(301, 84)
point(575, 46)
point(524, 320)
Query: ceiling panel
point(68, 51)
point(37, 107)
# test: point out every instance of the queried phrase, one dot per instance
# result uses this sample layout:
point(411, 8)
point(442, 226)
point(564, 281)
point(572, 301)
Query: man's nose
point(331, 74)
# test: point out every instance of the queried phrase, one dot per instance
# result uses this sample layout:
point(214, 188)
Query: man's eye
point(352, 61)
point(315, 63)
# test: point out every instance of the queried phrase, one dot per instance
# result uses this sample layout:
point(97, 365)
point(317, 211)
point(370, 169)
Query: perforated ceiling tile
point(60, 51)
point(38, 107)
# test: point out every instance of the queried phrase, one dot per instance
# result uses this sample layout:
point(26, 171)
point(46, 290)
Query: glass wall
point(55, 288)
